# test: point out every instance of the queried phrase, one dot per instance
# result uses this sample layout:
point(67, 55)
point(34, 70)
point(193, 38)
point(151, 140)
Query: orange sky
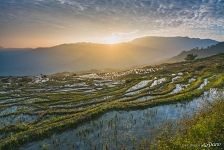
point(41, 23)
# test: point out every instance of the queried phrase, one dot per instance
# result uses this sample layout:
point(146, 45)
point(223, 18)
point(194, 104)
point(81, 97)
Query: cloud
point(115, 16)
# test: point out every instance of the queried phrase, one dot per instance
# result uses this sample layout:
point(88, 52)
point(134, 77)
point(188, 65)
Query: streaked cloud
point(92, 20)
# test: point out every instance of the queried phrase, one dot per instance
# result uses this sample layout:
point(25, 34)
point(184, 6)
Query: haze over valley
point(89, 56)
point(111, 74)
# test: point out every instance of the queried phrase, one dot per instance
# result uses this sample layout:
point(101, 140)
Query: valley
point(97, 109)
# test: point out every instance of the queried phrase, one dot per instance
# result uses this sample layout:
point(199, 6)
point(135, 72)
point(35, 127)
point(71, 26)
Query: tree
point(190, 57)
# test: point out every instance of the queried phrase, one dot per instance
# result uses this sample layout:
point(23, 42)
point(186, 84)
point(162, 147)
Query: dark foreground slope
point(201, 53)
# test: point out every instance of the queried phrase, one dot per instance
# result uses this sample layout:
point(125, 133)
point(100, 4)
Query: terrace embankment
point(37, 107)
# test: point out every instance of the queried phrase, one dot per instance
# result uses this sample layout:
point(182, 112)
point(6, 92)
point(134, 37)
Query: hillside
point(209, 119)
point(173, 45)
point(81, 110)
point(86, 56)
point(201, 53)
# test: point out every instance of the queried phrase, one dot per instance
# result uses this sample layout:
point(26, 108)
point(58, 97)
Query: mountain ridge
point(200, 52)
point(98, 43)
point(87, 56)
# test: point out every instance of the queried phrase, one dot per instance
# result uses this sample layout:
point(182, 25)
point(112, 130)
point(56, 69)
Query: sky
point(40, 23)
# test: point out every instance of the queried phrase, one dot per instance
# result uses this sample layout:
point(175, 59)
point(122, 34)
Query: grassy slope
point(206, 127)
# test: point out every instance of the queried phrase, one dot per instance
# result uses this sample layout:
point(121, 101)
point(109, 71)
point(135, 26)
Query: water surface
point(123, 129)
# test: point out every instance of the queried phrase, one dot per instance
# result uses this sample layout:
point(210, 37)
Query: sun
point(112, 39)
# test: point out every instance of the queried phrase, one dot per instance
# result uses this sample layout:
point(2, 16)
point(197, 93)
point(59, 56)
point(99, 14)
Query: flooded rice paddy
point(125, 129)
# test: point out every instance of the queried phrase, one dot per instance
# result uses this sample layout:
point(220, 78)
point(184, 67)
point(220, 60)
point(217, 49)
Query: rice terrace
point(111, 75)
point(116, 109)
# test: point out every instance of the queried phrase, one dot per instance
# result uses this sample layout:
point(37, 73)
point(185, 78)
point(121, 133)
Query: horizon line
point(101, 43)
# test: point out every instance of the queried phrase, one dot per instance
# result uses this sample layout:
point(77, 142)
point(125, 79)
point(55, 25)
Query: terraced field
point(111, 110)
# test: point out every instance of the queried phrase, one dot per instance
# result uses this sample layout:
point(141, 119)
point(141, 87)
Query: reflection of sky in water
point(13, 109)
point(13, 119)
point(118, 128)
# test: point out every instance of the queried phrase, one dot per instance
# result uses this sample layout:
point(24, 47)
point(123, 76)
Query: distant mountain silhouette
point(201, 53)
point(174, 45)
point(86, 56)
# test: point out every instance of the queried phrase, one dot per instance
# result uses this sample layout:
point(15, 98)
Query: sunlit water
point(123, 129)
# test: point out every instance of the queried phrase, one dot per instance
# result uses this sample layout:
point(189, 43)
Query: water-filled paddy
point(119, 129)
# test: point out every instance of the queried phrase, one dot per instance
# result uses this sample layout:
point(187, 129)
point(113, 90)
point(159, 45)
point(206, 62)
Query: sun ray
point(112, 39)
